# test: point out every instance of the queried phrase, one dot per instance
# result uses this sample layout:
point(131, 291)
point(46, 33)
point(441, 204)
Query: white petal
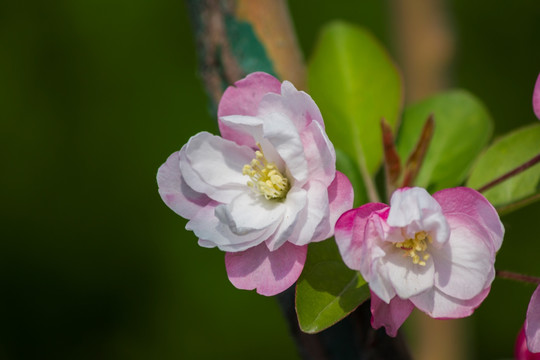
point(379, 282)
point(313, 223)
point(249, 212)
point(416, 210)
point(211, 232)
point(407, 278)
point(295, 201)
point(281, 133)
point(438, 305)
point(213, 166)
point(320, 154)
point(464, 263)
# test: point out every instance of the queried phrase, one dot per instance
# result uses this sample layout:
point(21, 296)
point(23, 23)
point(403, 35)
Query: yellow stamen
point(265, 177)
point(416, 248)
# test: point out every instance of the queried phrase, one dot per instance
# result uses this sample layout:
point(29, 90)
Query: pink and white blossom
point(263, 190)
point(532, 323)
point(436, 253)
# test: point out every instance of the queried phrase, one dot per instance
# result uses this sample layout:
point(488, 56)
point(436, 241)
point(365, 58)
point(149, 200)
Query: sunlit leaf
point(355, 84)
point(345, 164)
point(504, 155)
point(327, 290)
point(462, 129)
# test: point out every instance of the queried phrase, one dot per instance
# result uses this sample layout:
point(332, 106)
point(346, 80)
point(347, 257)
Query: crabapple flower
point(532, 323)
point(264, 189)
point(436, 253)
point(536, 98)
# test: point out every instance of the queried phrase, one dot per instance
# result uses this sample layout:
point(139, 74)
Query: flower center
point(265, 177)
point(416, 248)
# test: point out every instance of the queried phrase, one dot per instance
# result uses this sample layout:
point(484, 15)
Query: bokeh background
point(95, 94)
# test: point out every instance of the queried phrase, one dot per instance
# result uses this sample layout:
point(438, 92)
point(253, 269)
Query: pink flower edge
point(269, 272)
point(392, 315)
point(243, 99)
point(536, 98)
point(532, 323)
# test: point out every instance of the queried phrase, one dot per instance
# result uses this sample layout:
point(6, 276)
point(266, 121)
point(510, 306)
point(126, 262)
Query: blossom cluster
point(268, 186)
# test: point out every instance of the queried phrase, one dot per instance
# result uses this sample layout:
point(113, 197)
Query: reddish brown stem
point(518, 277)
point(392, 162)
point(511, 173)
point(414, 162)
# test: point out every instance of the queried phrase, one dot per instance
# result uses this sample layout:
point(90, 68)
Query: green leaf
point(355, 84)
point(503, 156)
point(327, 290)
point(462, 129)
point(345, 164)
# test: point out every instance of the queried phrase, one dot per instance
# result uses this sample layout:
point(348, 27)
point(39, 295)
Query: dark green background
point(94, 95)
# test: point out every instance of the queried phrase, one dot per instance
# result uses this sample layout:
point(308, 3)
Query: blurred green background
point(95, 94)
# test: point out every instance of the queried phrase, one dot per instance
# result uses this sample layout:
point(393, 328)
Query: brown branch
point(518, 277)
point(274, 28)
point(266, 24)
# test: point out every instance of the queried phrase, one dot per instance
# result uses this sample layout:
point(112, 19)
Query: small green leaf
point(462, 129)
point(327, 291)
point(355, 84)
point(348, 167)
point(504, 155)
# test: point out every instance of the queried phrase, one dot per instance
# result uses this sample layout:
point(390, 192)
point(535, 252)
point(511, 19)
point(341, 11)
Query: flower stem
point(511, 173)
point(518, 277)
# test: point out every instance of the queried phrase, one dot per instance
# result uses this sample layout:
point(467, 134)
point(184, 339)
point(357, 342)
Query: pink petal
point(340, 198)
point(464, 264)
point(521, 352)
point(349, 233)
point(536, 98)
point(463, 200)
point(392, 315)
point(532, 323)
point(298, 106)
point(174, 191)
point(269, 272)
point(441, 306)
point(243, 99)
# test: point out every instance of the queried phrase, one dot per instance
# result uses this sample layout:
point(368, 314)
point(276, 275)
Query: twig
point(510, 174)
point(518, 277)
